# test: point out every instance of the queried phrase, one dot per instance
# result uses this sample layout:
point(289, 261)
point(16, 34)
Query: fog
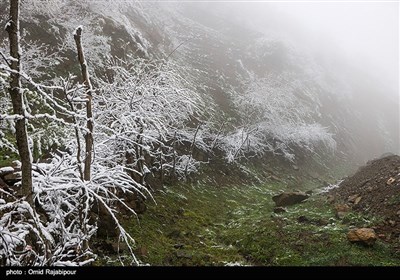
point(364, 33)
point(357, 42)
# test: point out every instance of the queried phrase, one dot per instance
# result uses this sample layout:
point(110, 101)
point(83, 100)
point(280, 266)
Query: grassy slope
point(203, 225)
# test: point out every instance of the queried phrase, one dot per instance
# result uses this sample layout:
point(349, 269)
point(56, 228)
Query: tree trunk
point(191, 150)
point(89, 113)
point(17, 100)
point(139, 155)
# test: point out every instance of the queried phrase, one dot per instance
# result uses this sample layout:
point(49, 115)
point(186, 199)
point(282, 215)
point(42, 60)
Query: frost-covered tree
point(145, 121)
point(18, 101)
point(148, 107)
point(278, 114)
point(52, 223)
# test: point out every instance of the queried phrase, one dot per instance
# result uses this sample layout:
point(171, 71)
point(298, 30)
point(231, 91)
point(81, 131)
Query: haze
point(364, 34)
point(367, 32)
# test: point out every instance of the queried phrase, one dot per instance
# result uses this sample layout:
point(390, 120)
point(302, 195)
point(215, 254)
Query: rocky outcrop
point(363, 236)
point(289, 198)
point(10, 175)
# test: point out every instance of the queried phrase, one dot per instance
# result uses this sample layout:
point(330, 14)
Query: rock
point(289, 198)
point(341, 210)
point(352, 198)
point(6, 170)
point(303, 219)
point(179, 246)
point(392, 223)
point(321, 222)
point(13, 177)
point(390, 181)
point(364, 236)
point(398, 213)
point(278, 210)
point(183, 255)
point(295, 167)
point(309, 192)
point(355, 199)
point(16, 164)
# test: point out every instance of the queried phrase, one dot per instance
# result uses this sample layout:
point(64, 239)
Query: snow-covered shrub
point(279, 113)
point(145, 109)
point(58, 229)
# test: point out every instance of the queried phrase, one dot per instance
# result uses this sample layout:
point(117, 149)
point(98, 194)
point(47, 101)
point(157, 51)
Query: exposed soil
point(375, 191)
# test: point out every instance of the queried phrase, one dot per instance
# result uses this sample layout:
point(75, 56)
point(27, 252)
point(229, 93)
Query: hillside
point(227, 61)
point(165, 132)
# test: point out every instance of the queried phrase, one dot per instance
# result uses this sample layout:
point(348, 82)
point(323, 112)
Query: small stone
point(303, 219)
point(178, 246)
point(392, 223)
point(6, 170)
point(278, 210)
point(352, 198)
point(381, 236)
point(16, 164)
point(295, 167)
point(341, 210)
point(398, 213)
point(369, 189)
point(322, 222)
point(355, 199)
point(12, 177)
point(183, 255)
point(390, 181)
point(364, 236)
point(309, 192)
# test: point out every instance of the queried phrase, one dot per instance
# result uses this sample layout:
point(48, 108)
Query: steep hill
point(245, 76)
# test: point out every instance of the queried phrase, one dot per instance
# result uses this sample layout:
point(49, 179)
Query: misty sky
point(364, 33)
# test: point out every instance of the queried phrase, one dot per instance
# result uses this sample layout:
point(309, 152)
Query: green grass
point(282, 240)
point(203, 225)
point(6, 158)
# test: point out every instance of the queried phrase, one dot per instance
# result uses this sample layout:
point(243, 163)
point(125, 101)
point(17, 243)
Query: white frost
point(6, 169)
point(80, 27)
